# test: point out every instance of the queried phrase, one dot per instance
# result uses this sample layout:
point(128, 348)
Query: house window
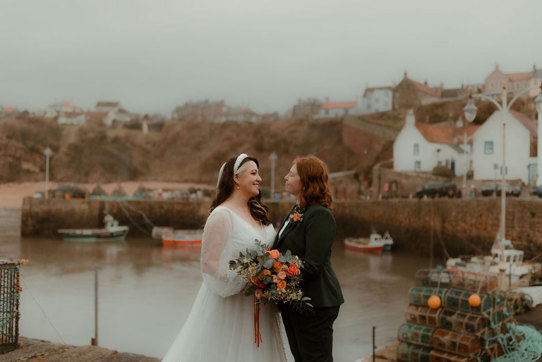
point(488, 147)
point(416, 149)
point(327, 112)
point(417, 165)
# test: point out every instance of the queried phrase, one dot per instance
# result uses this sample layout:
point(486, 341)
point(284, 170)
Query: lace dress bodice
point(225, 235)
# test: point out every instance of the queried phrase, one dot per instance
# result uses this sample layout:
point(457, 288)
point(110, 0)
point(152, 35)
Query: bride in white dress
point(220, 326)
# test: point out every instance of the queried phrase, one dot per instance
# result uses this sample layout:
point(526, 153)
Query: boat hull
point(351, 244)
point(182, 237)
point(94, 235)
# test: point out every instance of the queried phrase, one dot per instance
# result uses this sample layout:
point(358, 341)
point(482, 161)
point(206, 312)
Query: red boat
point(182, 237)
point(373, 244)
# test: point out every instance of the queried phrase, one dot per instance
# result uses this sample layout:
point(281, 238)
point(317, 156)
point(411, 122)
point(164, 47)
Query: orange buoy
point(474, 300)
point(433, 301)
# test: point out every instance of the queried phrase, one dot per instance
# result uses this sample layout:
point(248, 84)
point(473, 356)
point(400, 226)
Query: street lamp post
point(48, 153)
point(470, 113)
point(273, 158)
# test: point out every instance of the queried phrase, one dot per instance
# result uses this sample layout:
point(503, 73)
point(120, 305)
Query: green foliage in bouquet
point(271, 276)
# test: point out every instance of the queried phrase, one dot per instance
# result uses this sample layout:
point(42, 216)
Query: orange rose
point(266, 272)
point(296, 217)
point(254, 279)
point(293, 270)
point(281, 285)
point(273, 253)
point(277, 265)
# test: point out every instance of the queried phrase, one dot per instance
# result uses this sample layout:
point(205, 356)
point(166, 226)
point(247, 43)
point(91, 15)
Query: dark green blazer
point(311, 240)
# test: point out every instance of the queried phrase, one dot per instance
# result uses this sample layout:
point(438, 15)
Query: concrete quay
point(43, 351)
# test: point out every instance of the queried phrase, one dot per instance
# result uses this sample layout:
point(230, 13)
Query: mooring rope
point(132, 220)
point(145, 218)
point(43, 312)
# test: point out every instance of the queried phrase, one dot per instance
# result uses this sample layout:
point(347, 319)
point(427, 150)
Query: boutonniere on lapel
point(296, 216)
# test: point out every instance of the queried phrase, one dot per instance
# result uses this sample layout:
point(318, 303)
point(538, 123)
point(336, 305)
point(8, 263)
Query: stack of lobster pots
point(453, 328)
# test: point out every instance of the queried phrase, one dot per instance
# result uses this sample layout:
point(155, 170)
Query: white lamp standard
point(273, 158)
point(470, 113)
point(48, 153)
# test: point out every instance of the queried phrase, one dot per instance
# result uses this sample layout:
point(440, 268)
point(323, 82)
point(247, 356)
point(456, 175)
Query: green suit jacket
point(311, 240)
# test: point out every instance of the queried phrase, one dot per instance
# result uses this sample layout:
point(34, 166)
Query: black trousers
point(310, 333)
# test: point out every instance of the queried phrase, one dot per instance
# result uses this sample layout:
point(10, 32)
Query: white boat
point(374, 243)
point(504, 260)
point(111, 232)
point(387, 241)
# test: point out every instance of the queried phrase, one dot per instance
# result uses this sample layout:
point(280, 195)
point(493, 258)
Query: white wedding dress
point(220, 326)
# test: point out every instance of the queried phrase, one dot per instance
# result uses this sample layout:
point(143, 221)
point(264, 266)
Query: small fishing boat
point(503, 257)
point(158, 231)
point(387, 241)
point(372, 244)
point(111, 232)
point(182, 237)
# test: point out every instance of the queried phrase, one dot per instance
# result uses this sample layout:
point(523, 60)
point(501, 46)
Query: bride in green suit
point(308, 232)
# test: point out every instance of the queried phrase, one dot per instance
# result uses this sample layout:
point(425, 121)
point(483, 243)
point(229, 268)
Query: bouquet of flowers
point(271, 277)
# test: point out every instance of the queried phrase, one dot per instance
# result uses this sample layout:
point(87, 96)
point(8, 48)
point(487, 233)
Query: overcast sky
point(155, 54)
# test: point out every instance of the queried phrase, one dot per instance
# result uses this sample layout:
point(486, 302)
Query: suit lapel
point(289, 228)
point(277, 239)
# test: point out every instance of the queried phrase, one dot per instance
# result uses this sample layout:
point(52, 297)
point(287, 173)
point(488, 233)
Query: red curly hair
point(314, 179)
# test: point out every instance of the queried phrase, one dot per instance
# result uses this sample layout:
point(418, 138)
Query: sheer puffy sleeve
point(215, 255)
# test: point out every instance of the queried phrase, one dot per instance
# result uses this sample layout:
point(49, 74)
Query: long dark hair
point(258, 209)
point(314, 181)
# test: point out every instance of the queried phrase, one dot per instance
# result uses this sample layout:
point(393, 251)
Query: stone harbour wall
point(459, 226)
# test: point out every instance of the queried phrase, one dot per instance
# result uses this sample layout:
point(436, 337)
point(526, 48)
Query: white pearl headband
point(236, 165)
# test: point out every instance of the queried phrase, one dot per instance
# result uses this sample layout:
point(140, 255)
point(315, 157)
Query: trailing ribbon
point(257, 335)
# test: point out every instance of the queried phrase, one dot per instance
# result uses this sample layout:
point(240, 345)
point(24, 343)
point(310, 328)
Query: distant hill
point(187, 151)
point(192, 151)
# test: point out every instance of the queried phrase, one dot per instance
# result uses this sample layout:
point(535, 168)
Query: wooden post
point(94, 341)
point(374, 345)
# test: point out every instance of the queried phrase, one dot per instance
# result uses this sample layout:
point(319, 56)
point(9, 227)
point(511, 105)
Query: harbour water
point(146, 292)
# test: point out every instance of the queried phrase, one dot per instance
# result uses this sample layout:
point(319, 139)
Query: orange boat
point(182, 237)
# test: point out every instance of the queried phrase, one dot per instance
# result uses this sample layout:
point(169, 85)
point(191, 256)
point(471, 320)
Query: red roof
point(9, 109)
point(527, 122)
point(519, 76)
point(445, 134)
point(423, 88)
point(331, 105)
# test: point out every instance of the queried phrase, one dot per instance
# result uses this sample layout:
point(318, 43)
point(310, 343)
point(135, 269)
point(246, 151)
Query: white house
point(377, 99)
point(58, 109)
point(521, 143)
point(71, 118)
point(421, 147)
point(335, 109)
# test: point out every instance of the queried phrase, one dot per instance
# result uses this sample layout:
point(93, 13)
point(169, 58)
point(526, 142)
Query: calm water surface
point(146, 292)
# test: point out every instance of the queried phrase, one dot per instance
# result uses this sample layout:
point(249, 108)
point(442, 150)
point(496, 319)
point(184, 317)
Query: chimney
point(327, 99)
point(410, 120)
